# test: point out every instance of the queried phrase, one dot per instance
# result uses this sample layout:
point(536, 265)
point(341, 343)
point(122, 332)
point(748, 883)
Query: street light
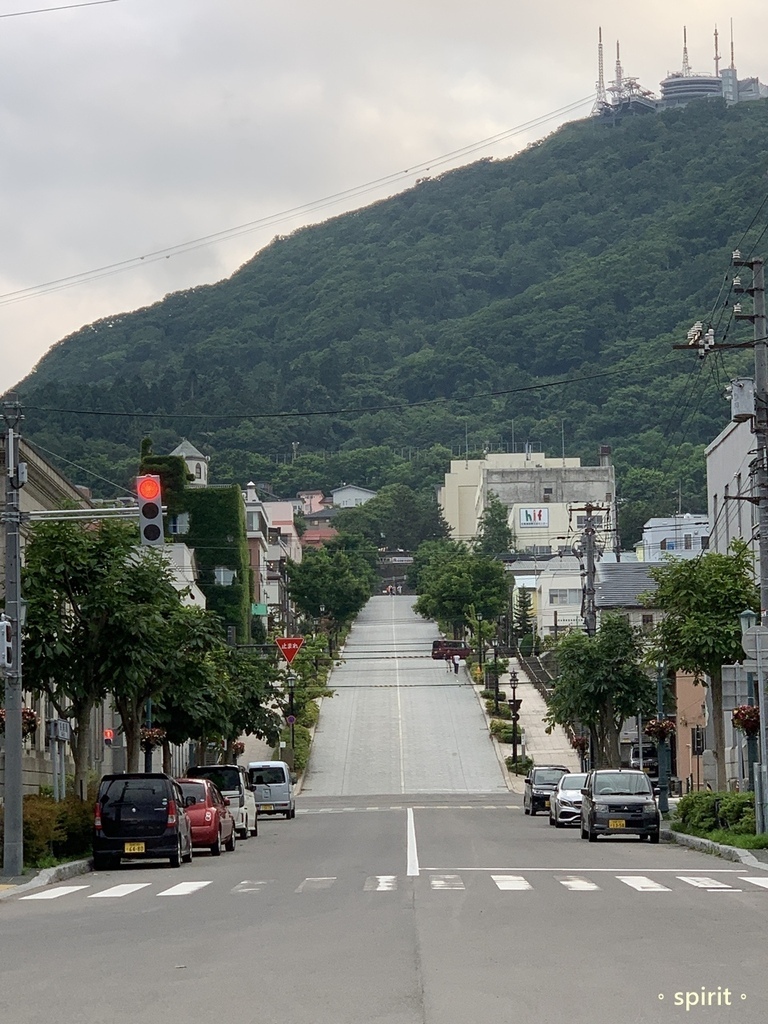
point(480, 645)
point(754, 639)
point(290, 683)
point(661, 750)
point(514, 707)
point(495, 645)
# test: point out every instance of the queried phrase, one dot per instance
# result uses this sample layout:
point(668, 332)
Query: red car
point(212, 823)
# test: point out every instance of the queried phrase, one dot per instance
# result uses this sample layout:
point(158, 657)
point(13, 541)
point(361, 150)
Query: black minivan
point(140, 816)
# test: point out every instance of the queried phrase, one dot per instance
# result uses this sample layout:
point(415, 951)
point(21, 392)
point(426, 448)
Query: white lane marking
point(315, 883)
point(511, 882)
point(674, 871)
point(702, 882)
point(118, 890)
point(380, 883)
point(412, 862)
point(249, 886)
point(399, 704)
point(576, 884)
point(642, 884)
point(53, 894)
point(762, 880)
point(446, 882)
point(183, 889)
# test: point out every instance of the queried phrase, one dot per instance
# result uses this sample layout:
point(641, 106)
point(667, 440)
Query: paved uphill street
point(403, 907)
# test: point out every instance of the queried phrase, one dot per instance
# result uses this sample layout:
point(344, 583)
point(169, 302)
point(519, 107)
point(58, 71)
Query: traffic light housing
point(6, 646)
point(149, 494)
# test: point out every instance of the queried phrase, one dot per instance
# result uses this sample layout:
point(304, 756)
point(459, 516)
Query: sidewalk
point(544, 748)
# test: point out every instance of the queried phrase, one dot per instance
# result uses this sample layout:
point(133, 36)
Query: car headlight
point(649, 805)
point(603, 808)
point(540, 792)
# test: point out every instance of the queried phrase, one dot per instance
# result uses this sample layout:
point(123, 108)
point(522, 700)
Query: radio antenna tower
point(717, 53)
point(619, 82)
point(601, 99)
point(733, 65)
point(686, 63)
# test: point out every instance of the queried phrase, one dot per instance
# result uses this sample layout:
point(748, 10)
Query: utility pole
point(757, 291)
point(588, 552)
point(15, 478)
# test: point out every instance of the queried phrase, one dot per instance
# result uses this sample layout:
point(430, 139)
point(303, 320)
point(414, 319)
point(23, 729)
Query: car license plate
point(266, 807)
point(616, 823)
point(546, 804)
point(134, 848)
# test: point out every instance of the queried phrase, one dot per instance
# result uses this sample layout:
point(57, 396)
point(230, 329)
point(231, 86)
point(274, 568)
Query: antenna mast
point(601, 98)
point(619, 83)
point(717, 53)
point(733, 64)
point(686, 64)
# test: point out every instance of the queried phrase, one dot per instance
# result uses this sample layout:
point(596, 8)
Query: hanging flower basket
point(238, 748)
point(746, 717)
point(151, 738)
point(580, 743)
point(660, 729)
point(29, 721)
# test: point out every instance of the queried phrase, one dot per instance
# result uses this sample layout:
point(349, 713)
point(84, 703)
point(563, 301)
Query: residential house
point(684, 536)
point(350, 495)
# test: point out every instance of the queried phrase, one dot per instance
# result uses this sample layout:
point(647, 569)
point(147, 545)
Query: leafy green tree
point(700, 632)
point(494, 536)
point(428, 553)
point(325, 579)
point(523, 622)
point(600, 683)
point(454, 589)
point(397, 518)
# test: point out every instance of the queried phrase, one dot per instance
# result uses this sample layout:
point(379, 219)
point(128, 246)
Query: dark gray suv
point(619, 802)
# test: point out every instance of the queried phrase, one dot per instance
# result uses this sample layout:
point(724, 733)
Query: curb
point(506, 774)
point(733, 853)
point(50, 875)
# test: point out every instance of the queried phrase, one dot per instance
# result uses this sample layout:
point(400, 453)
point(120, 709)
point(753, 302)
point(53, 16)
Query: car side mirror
point(189, 801)
point(294, 778)
point(227, 801)
point(656, 790)
point(585, 792)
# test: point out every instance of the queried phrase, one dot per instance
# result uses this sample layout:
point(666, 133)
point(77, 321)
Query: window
point(704, 542)
point(178, 524)
point(647, 623)
point(224, 577)
point(668, 544)
point(581, 522)
point(560, 597)
point(198, 471)
point(688, 542)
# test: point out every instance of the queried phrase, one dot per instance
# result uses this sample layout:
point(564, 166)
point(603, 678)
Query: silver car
point(565, 802)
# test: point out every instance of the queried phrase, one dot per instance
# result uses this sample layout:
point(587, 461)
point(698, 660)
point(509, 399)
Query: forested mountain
point(589, 253)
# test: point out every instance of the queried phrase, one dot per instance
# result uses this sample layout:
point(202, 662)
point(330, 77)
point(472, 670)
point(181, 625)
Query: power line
point(240, 417)
point(65, 7)
point(226, 234)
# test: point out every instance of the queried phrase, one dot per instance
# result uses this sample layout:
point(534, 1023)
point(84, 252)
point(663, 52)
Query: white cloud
point(138, 125)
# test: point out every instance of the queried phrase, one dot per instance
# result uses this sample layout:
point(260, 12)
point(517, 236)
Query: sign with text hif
point(289, 646)
point(533, 517)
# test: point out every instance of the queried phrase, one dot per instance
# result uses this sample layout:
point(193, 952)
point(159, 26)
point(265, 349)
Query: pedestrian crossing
point(541, 881)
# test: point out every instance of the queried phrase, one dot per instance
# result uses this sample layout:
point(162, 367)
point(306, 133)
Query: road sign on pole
point(289, 646)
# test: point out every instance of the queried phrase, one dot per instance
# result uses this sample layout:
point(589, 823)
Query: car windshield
point(622, 784)
point(267, 776)
point(195, 790)
point(647, 752)
point(573, 781)
point(225, 779)
point(547, 776)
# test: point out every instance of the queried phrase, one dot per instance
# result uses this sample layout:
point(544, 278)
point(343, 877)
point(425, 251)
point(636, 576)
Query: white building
point(350, 495)
point(684, 536)
point(197, 463)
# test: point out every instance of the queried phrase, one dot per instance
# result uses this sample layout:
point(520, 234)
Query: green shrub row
point(520, 767)
point(503, 712)
point(54, 831)
point(490, 695)
point(301, 740)
point(702, 813)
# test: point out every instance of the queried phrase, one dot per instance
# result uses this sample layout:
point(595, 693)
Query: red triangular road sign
point(289, 646)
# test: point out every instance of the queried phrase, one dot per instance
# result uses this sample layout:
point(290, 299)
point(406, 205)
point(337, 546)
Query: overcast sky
point(130, 127)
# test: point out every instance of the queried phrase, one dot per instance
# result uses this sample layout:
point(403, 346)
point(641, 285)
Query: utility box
point(742, 399)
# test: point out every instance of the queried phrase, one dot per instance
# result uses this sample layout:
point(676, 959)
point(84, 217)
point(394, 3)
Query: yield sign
point(289, 646)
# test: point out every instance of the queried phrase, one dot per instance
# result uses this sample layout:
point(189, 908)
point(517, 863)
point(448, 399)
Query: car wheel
point(551, 821)
point(533, 812)
point(591, 836)
point(654, 837)
point(583, 831)
point(558, 824)
point(255, 829)
point(229, 845)
point(525, 810)
point(175, 858)
point(245, 831)
point(216, 847)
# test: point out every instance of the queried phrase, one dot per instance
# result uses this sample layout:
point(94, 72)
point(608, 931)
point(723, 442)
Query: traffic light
point(6, 648)
point(150, 510)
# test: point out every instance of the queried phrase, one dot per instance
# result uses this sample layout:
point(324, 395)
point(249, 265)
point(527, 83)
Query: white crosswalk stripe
point(702, 882)
point(183, 889)
point(380, 883)
point(310, 884)
point(54, 894)
point(118, 890)
point(576, 884)
point(445, 882)
point(762, 880)
point(642, 884)
point(511, 882)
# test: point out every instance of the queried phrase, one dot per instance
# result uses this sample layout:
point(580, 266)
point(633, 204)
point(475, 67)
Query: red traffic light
point(148, 487)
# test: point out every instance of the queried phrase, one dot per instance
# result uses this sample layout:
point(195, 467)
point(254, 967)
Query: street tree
point(700, 632)
point(329, 580)
point(523, 620)
point(600, 683)
point(73, 586)
point(494, 536)
point(452, 589)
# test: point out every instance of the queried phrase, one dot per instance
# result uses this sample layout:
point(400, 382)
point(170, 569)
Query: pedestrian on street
point(456, 660)
point(447, 663)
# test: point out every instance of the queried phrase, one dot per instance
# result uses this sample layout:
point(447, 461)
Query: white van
point(272, 786)
point(233, 782)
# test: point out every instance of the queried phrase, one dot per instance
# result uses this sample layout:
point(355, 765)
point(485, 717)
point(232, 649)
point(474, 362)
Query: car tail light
point(172, 816)
point(97, 815)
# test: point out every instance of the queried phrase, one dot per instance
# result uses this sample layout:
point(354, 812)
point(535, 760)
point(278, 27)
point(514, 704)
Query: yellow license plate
point(546, 804)
point(134, 848)
point(616, 823)
point(266, 807)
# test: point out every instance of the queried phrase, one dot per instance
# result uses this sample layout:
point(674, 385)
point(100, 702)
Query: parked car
point(272, 787)
point(565, 802)
point(540, 785)
point(443, 650)
point(650, 759)
point(232, 781)
point(140, 816)
point(619, 801)
point(213, 826)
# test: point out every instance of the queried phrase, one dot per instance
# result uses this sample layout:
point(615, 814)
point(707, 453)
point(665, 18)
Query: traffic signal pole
point(15, 477)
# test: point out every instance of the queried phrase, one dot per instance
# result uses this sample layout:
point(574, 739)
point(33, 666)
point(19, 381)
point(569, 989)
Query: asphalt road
point(442, 908)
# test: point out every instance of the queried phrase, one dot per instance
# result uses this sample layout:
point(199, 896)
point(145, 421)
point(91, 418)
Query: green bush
point(301, 739)
point(521, 767)
point(703, 814)
point(491, 695)
point(503, 712)
point(76, 820)
point(308, 714)
point(503, 730)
